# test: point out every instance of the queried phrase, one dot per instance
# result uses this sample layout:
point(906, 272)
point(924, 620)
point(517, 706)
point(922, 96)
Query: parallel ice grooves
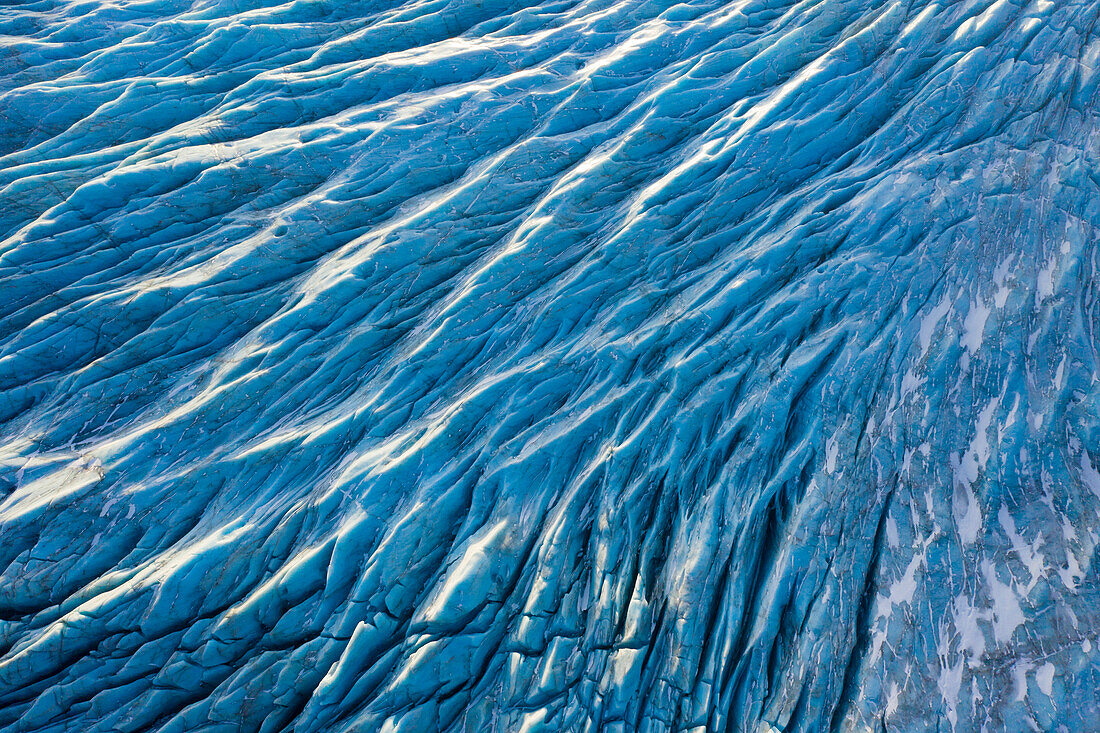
point(598, 365)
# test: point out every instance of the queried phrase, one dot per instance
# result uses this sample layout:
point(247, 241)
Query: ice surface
point(584, 365)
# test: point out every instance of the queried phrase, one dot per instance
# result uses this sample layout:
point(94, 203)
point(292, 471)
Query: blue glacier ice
point(578, 365)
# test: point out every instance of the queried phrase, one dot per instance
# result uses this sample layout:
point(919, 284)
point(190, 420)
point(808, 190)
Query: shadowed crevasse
point(584, 365)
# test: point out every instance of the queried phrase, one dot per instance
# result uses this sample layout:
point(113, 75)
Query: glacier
point(618, 365)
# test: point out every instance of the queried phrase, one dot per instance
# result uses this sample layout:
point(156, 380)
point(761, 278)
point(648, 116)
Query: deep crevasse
point(593, 365)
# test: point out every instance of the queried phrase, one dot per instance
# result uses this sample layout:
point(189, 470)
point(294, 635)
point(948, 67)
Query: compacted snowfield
point(591, 365)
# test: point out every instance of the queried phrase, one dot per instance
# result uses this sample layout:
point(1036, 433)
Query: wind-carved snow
point(566, 366)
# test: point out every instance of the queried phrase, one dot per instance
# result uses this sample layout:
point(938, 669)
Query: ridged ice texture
point(587, 365)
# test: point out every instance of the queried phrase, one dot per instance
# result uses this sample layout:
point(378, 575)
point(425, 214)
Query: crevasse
point(584, 365)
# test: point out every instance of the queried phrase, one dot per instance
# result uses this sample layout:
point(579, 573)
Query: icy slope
point(594, 365)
